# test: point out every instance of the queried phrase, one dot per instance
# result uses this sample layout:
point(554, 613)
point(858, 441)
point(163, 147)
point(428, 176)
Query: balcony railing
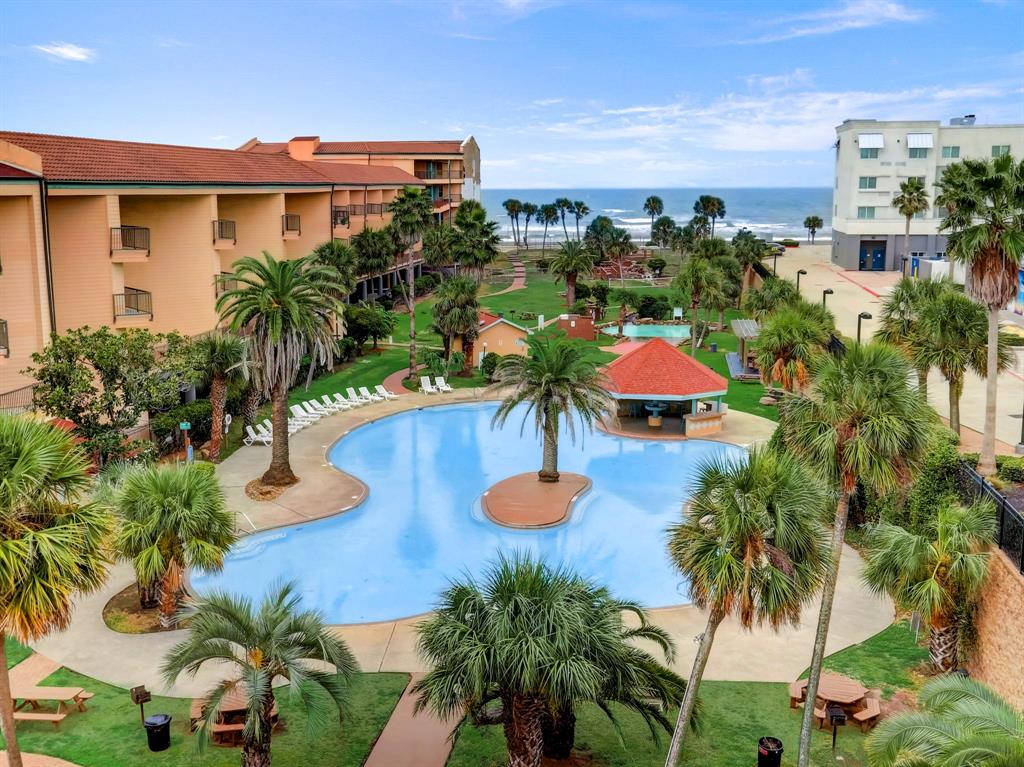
point(440, 202)
point(5, 343)
point(133, 303)
point(129, 238)
point(339, 215)
point(17, 400)
point(290, 222)
point(440, 174)
point(224, 229)
point(224, 282)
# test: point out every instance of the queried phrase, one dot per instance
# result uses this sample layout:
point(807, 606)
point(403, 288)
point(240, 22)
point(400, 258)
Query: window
point(921, 179)
point(940, 254)
point(869, 154)
point(919, 214)
point(868, 182)
point(998, 150)
point(918, 153)
point(950, 152)
point(917, 254)
point(865, 212)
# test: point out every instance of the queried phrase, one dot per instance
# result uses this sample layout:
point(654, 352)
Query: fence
point(17, 400)
point(1009, 521)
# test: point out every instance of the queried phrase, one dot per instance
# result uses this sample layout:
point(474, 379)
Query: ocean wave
point(645, 221)
point(616, 210)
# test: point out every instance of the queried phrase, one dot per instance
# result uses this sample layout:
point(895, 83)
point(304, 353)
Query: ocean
point(769, 213)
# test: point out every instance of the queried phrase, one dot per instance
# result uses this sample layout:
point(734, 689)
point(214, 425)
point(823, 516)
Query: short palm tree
point(440, 247)
point(962, 722)
point(342, 257)
point(457, 313)
point(477, 246)
point(555, 380)
point(935, 572)
point(580, 210)
point(753, 544)
point(375, 251)
point(261, 645)
point(287, 310)
point(547, 215)
point(862, 422)
point(748, 251)
point(775, 293)
point(787, 344)
point(900, 321)
point(225, 360)
point(812, 224)
point(654, 206)
point(983, 201)
point(710, 207)
point(52, 542)
point(626, 299)
point(172, 518)
point(912, 200)
point(696, 277)
point(572, 261)
point(953, 338)
point(513, 208)
point(530, 210)
point(411, 214)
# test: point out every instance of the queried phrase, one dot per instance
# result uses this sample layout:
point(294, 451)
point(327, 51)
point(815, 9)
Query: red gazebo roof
point(658, 370)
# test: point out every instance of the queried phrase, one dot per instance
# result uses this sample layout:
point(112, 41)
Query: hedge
point(165, 425)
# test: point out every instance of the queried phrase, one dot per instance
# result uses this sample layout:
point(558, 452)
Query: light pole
point(1019, 448)
point(824, 296)
point(798, 273)
point(903, 269)
point(775, 263)
point(860, 317)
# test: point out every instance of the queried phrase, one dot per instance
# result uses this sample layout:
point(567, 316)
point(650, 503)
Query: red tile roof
point(276, 147)
point(10, 171)
point(486, 318)
point(658, 368)
point(389, 147)
point(71, 158)
point(372, 175)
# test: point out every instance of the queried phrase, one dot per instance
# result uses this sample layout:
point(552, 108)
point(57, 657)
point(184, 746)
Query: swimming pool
point(632, 330)
point(422, 525)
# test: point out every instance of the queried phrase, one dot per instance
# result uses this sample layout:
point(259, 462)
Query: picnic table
point(853, 697)
point(32, 697)
point(227, 730)
point(836, 688)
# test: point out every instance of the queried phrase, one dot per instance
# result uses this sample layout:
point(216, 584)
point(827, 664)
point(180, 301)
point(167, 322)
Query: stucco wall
point(999, 660)
point(500, 339)
point(257, 220)
point(83, 279)
point(314, 210)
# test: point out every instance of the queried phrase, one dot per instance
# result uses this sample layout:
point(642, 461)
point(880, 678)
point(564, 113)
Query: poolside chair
point(442, 385)
point(340, 399)
point(384, 392)
point(351, 392)
point(334, 405)
point(251, 438)
point(368, 395)
point(426, 387)
point(313, 409)
point(302, 415)
point(268, 428)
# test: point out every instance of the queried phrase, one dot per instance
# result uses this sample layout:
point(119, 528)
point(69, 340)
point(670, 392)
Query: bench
point(866, 717)
point(232, 731)
point(796, 694)
point(39, 716)
point(819, 714)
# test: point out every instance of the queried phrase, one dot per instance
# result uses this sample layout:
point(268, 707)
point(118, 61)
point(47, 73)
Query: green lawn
point(736, 715)
point(16, 652)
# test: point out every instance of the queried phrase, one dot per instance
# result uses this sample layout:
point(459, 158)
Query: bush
point(542, 264)
point(580, 307)
point(489, 364)
point(424, 284)
point(164, 427)
point(657, 265)
point(790, 243)
point(1011, 468)
point(654, 307)
point(583, 291)
point(599, 292)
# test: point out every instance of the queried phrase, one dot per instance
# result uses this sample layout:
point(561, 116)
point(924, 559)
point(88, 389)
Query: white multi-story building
point(874, 157)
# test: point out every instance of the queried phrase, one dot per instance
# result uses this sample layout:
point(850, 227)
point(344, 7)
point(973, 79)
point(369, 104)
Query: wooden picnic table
point(836, 688)
point(63, 696)
point(227, 730)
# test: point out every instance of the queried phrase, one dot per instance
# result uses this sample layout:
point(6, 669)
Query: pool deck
point(89, 647)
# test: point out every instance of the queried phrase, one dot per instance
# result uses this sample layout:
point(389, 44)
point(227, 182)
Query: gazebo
point(659, 383)
point(742, 366)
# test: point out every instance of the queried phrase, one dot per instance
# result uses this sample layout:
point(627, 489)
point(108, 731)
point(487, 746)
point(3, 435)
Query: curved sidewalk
point(518, 276)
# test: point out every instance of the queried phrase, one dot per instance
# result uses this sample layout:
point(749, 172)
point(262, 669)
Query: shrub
point(599, 292)
point(657, 265)
point(579, 307)
point(542, 264)
point(1011, 468)
point(424, 284)
point(489, 364)
point(790, 243)
point(347, 349)
point(654, 307)
point(164, 426)
point(583, 291)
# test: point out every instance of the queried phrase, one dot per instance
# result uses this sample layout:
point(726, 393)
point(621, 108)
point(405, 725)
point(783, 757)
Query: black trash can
point(769, 752)
point(714, 347)
point(158, 732)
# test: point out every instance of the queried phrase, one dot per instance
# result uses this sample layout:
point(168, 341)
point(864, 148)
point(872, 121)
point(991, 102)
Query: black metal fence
point(1009, 520)
point(367, 209)
point(339, 215)
point(133, 302)
point(17, 400)
point(129, 238)
point(224, 229)
point(290, 222)
point(440, 174)
point(224, 282)
point(5, 341)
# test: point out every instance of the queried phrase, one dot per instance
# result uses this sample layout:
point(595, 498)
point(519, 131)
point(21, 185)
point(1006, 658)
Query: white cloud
point(854, 14)
point(219, 137)
point(66, 51)
point(171, 42)
point(468, 36)
point(546, 102)
point(798, 78)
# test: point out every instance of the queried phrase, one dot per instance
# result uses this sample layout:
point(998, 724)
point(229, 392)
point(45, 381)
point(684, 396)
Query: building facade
point(874, 157)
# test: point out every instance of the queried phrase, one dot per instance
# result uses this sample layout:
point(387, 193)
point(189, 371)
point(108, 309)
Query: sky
point(557, 94)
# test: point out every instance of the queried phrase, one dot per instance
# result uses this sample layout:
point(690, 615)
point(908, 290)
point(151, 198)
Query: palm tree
point(547, 215)
point(342, 257)
point(812, 224)
point(953, 335)
point(529, 211)
point(173, 517)
point(276, 641)
point(753, 543)
point(572, 261)
point(663, 230)
point(477, 246)
point(935, 572)
point(860, 422)
point(963, 722)
point(599, 235)
point(457, 313)
point(564, 205)
point(52, 544)
point(375, 251)
point(774, 294)
point(710, 207)
point(440, 247)
point(513, 208)
point(225, 360)
point(911, 201)
point(286, 309)
point(620, 246)
point(557, 379)
point(653, 207)
point(580, 210)
point(411, 214)
point(983, 200)
point(626, 299)
point(540, 640)
point(696, 277)
point(787, 345)
point(748, 251)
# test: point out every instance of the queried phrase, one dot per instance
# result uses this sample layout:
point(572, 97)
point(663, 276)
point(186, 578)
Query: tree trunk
point(577, 229)
point(987, 460)
point(149, 595)
point(256, 751)
point(170, 594)
point(906, 244)
point(218, 393)
point(570, 289)
point(7, 709)
point(942, 644)
point(544, 242)
point(693, 686)
point(564, 229)
point(410, 303)
point(549, 470)
point(693, 331)
point(526, 235)
point(922, 383)
point(828, 595)
point(622, 316)
point(523, 734)
point(251, 404)
point(280, 472)
point(467, 353)
point(559, 731)
point(954, 406)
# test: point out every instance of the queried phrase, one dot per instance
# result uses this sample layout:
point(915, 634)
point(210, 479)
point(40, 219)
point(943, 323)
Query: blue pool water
point(422, 525)
point(650, 331)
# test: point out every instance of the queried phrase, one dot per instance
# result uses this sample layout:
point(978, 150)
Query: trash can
point(158, 732)
point(714, 347)
point(769, 752)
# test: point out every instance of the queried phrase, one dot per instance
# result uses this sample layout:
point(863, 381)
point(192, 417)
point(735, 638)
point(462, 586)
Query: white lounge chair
point(340, 398)
point(384, 392)
point(351, 392)
point(251, 437)
point(268, 428)
point(442, 385)
point(426, 387)
point(314, 409)
point(368, 395)
point(302, 415)
point(334, 405)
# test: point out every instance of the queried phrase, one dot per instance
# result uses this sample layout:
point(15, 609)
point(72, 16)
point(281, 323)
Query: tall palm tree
point(286, 309)
point(173, 517)
point(983, 200)
point(513, 208)
point(580, 211)
point(911, 200)
point(564, 205)
point(787, 345)
point(953, 338)
point(375, 251)
point(934, 572)
point(696, 277)
point(710, 207)
point(860, 422)
point(774, 294)
point(962, 722)
point(748, 251)
point(457, 313)
point(653, 207)
point(555, 380)
point(261, 645)
point(530, 210)
point(547, 215)
point(572, 261)
point(753, 543)
point(599, 235)
point(477, 246)
point(53, 544)
point(440, 247)
point(225, 360)
point(812, 224)
point(342, 257)
point(620, 246)
point(411, 214)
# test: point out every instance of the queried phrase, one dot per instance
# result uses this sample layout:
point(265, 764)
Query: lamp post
point(824, 296)
point(775, 263)
point(798, 273)
point(903, 268)
point(860, 317)
point(1019, 447)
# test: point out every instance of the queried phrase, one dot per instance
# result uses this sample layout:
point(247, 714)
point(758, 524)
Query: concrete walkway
point(410, 739)
point(36, 760)
point(518, 276)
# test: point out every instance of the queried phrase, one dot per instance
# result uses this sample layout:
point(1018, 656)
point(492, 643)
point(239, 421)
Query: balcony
point(129, 244)
point(5, 343)
point(444, 202)
point(224, 237)
point(133, 307)
point(440, 174)
point(339, 215)
point(291, 226)
point(224, 282)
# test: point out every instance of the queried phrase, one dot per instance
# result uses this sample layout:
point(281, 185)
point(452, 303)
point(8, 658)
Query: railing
point(1009, 521)
point(290, 223)
point(5, 342)
point(369, 209)
point(133, 303)
point(223, 229)
point(17, 400)
point(129, 238)
point(440, 174)
point(224, 282)
point(339, 215)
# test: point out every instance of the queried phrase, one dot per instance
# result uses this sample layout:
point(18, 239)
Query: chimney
point(302, 147)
